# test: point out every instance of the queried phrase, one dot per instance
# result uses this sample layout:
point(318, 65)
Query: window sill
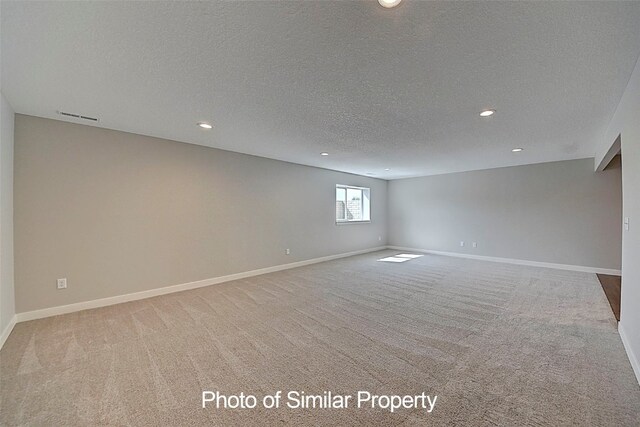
point(352, 222)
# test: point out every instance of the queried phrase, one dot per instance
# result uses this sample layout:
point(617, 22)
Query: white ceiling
point(376, 88)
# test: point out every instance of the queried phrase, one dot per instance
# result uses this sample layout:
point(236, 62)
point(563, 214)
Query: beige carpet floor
point(498, 344)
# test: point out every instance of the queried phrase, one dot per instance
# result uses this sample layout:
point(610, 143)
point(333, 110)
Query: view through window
point(353, 204)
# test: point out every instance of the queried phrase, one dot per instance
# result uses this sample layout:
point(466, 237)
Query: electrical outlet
point(475, 244)
point(461, 244)
point(287, 251)
point(62, 283)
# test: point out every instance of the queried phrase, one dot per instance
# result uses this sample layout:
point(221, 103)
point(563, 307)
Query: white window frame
point(366, 193)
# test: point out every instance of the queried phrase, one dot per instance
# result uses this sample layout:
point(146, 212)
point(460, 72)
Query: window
point(352, 204)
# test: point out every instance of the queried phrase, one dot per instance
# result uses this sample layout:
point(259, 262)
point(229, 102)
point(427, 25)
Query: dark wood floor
point(611, 286)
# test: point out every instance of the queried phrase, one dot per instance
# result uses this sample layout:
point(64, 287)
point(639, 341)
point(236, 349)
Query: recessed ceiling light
point(387, 169)
point(487, 113)
point(205, 125)
point(517, 150)
point(389, 3)
point(324, 154)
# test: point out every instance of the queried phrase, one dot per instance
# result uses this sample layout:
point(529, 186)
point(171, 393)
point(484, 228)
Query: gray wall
point(626, 123)
point(560, 212)
point(7, 302)
point(117, 213)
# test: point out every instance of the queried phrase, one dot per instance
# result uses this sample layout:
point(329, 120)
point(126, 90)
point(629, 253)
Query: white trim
point(7, 330)
point(103, 302)
point(515, 261)
point(632, 357)
point(614, 150)
point(345, 186)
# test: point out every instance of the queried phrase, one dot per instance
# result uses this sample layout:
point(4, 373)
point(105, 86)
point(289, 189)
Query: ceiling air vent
point(77, 116)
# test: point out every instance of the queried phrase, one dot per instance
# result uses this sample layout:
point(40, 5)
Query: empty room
point(307, 213)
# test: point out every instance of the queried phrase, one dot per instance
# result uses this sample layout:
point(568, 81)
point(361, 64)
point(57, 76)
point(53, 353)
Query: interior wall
point(7, 301)
point(626, 124)
point(117, 213)
point(559, 212)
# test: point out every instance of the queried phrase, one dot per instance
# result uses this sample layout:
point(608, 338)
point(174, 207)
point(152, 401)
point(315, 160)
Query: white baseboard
point(103, 302)
point(515, 261)
point(635, 364)
point(7, 330)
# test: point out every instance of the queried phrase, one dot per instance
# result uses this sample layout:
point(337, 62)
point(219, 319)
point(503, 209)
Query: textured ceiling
point(376, 88)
